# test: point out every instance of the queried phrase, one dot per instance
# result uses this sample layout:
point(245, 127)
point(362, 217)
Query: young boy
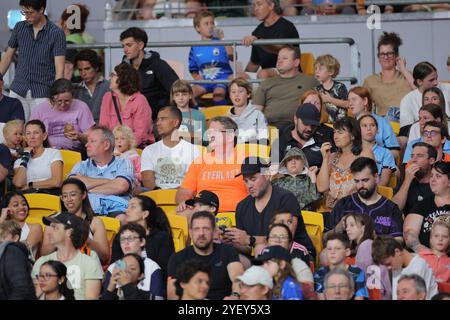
point(132, 240)
point(334, 94)
point(13, 136)
point(389, 252)
point(251, 122)
point(337, 249)
point(295, 176)
point(209, 62)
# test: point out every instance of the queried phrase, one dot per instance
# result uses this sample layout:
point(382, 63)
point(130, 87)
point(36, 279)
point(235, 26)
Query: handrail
point(354, 53)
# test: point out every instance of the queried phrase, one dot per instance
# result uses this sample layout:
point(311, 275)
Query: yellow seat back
point(274, 134)
point(42, 205)
point(253, 149)
point(307, 63)
point(214, 111)
point(164, 198)
point(139, 151)
point(386, 192)
point(112, 226)
point(314, 227)
point(70, 158)
point(227, 219)
point(395, 126)
point(179, 226)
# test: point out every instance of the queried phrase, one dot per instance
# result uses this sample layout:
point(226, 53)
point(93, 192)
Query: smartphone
point(223, 228)
point(121, 265)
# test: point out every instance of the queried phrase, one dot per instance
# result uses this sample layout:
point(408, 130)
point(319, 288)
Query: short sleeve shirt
point(357, 274)
point(39, 168)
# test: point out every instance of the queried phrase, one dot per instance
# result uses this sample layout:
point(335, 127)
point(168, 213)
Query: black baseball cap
point(272, 252)
point(70, 220)
point(309, 114)
point(252, 165)
point(205, 197)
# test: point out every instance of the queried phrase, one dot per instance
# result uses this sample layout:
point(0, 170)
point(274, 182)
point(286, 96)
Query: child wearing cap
point(294, 175)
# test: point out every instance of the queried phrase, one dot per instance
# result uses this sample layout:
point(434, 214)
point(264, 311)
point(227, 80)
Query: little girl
point(126, 149)
point(436, 257)
point(13, 136)
point(251, 122)
point(295, 176)
point(193, 125)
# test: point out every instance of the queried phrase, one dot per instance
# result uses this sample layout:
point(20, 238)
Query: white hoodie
point(251, 123)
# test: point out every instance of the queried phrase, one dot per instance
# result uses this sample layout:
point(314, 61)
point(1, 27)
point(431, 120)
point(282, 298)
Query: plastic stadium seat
point(253, 149)
point(70, 158)
point(214, 111)
point(164, 198)
point(42, 205)
point(112, 226)
point(393, 181)
point(314, 227)
point(139, 151)
point(226, 218)
point(307, 63)
point(386, 192)
point(395, 126)
point(179, 226)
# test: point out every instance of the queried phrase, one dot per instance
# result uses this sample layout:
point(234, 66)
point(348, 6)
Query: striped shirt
point(35, 69)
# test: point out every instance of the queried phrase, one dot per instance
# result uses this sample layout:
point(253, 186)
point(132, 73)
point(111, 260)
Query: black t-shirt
point(428, 209)
point(416, 192)
point(386, 215)
point(222, 256)
point(257, 223)
point(279, 30)
point(312, 151)
point(5, 162)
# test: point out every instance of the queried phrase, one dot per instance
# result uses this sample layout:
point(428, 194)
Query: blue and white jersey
point(385, 136)
point(210, 62)
point(383, 158)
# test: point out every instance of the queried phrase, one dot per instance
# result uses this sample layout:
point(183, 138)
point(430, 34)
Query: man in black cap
point(205, 201)
point(254, 213)
point(68, 234)
point(306, 134)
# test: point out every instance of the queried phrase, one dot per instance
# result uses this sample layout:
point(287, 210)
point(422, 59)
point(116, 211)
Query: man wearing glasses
point(339, 285)
point(41, 47)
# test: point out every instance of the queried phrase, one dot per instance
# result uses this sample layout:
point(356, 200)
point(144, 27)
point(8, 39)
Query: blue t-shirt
point(385, 136)
point(409, 149)
point(383, 158)
point(290, 290)
point(210, 62)
point(11, 109)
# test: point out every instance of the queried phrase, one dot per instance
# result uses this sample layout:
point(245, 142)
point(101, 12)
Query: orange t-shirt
point(205, 174)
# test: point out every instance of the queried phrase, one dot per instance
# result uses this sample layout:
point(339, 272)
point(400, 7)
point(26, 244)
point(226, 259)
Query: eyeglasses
point(430, 133)
point(128, 239)
point(61, 101)
point(45, 276)
point(385, 55)
point(339, 286)
point(27, 12)
point(279, 237)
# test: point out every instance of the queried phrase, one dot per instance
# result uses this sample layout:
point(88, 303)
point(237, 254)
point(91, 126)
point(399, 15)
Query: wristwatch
point(252, 241)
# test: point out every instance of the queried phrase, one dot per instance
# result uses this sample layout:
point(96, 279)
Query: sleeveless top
point(25, 232)
point(341, 182)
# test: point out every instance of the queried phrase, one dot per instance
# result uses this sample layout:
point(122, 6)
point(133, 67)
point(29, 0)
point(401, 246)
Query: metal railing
point(355, 63)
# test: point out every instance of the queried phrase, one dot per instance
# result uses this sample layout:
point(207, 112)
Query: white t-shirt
point(411, 103)
point(39, 168)
point(420, 267)
point(169, 164)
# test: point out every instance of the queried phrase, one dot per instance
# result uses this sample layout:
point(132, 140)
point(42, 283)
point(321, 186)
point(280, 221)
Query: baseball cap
point(252, 165)
point(273, 252)
point(256, 275)
point(205, 197)
point(68, 219)
point(309, 114)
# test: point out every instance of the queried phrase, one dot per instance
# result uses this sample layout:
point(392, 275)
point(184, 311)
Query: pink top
point(135, 159)
point(439, 265)
point(137, 115)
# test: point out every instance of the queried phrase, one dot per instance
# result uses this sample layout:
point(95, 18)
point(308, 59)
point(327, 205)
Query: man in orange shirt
point(216, 170)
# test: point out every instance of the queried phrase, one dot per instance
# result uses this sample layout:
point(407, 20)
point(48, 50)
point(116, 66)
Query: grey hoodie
point(251, 123)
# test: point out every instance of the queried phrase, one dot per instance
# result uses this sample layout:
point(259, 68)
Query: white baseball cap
point(256, 275)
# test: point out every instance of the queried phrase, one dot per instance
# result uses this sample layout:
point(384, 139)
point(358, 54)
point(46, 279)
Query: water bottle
point(108, 11)
point(168, 9)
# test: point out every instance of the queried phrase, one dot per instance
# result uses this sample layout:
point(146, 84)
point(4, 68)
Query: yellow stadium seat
point(227, 219)
point(329, 125)
point(214, 111)
point(207, 96)
point(164, 198)
point(314, 227)
point(42, 205)
point(112, 226)
point(386, 192)
point(273, 135)
point(253, 149)
point(393, 181)
point(179, 226)
point(139, 151)
point(395, 126)
point(37, 220)
point(70, 158)
point(307, 63)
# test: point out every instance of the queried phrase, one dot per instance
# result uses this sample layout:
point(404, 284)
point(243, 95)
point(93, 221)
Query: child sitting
point(251, 122)
point(209, 62)
point(437, 258)
point(125, 147)
point(333, 93)
point(295, 176)
point(13, 136)
point(193, 125)
point(132, 240)
point(388, 251)
point(337, 249)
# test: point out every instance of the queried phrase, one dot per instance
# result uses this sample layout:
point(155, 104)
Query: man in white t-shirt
point(84, 273)
point(165, 163)
point(389, 252)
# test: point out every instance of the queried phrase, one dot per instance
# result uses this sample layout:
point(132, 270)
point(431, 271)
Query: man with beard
point(223, 259)
point(416, 184)
point(254, 213)
point(386, 215)
point(306, 134)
